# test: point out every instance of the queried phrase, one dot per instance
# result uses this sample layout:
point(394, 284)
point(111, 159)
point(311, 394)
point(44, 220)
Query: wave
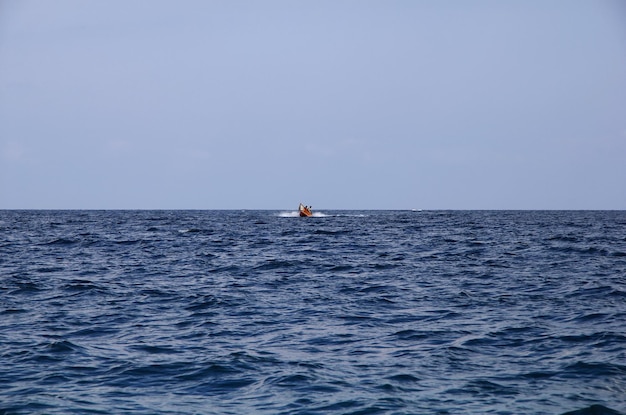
point(594, 410)
point(476, 311)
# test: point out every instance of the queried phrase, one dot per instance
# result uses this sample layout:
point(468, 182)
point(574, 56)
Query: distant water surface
point(349, 312)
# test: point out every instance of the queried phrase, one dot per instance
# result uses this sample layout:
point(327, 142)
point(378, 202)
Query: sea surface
point(348, 312)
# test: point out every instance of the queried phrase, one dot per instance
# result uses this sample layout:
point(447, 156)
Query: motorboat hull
point(304, 211)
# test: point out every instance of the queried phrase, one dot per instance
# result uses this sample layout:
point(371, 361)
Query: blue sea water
point(349, 312)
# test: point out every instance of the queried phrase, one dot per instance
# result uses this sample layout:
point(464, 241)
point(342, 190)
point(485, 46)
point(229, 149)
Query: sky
point(349, 104)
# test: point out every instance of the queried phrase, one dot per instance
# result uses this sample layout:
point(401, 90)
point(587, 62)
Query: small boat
point(305, 211)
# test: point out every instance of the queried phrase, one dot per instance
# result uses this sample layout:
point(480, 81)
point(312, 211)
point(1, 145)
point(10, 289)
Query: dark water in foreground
point(374, 312)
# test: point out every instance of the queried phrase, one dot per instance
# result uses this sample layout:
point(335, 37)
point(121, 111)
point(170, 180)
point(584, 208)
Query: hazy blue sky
point(338, 104)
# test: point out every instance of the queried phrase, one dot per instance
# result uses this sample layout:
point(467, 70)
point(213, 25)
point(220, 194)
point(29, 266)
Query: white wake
point(296, 214)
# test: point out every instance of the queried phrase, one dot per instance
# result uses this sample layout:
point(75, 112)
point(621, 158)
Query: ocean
point(347, 312)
